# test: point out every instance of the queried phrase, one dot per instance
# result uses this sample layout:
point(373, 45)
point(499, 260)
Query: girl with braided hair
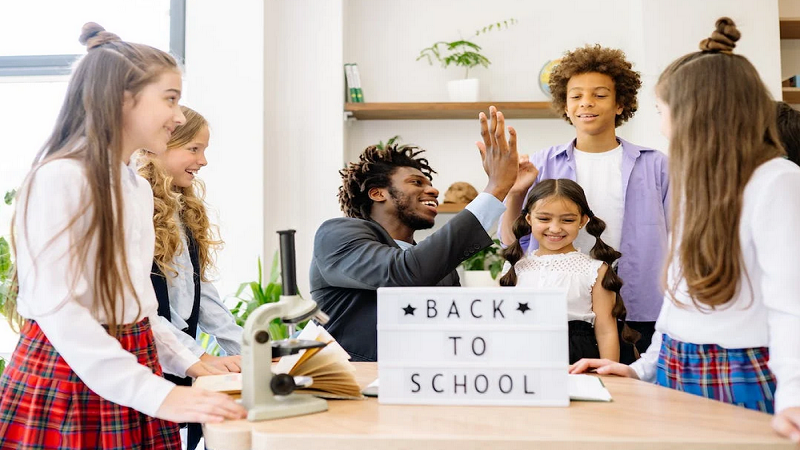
point(553, 214)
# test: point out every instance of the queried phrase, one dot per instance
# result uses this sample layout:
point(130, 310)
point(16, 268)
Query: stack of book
point(353, 92)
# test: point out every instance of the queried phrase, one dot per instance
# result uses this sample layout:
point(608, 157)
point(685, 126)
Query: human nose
point(179, 118)
point(201, 159)
point(432, 191)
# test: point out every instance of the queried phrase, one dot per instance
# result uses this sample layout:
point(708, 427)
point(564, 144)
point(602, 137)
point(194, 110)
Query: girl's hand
point(604, 367)
point(201, 369)
point(223, 363)
point(787, 423)
point(526, 176)
point(195, 405)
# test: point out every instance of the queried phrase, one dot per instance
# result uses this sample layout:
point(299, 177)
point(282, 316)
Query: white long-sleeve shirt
point(61, 304)
point(769, 234)
point(214, 318)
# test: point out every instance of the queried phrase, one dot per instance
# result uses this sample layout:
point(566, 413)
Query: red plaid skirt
point(44, 405)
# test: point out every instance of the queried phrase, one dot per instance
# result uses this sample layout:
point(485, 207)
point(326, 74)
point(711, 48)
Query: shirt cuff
point(487, 209)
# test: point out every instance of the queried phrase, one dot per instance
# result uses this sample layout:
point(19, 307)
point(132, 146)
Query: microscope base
point(287, 406)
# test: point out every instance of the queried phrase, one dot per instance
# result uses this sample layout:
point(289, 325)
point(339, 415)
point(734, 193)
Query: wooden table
point(642, 415)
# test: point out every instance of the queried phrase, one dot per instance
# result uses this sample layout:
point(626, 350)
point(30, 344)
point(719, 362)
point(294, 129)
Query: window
point(38, 45)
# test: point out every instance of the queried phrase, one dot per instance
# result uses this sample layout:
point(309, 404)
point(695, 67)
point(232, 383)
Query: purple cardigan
point(645, 188)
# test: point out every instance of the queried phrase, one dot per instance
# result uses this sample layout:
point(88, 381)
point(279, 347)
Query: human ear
point(377, 194)
point(584, 220)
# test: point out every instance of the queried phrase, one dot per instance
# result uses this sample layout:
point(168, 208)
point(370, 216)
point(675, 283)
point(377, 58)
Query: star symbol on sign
point(523, 307)
point(409, 310)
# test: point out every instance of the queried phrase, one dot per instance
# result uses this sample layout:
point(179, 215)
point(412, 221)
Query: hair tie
point(524, 211)
point(590, 214)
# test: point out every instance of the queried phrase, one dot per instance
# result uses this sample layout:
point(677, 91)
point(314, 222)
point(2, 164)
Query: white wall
point(303, 121)
point(385, 37)
point(224, 81)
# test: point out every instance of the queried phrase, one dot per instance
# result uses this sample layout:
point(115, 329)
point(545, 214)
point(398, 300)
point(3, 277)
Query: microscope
point(266, 395)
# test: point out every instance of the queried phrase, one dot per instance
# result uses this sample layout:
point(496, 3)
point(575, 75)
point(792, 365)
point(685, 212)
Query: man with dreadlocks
point(387, 195)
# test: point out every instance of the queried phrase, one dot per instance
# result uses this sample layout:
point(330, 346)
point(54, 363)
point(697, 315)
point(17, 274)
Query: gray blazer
point(354, 257)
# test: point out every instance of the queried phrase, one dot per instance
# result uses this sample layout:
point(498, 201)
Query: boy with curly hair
point(594, 88)
point(387, 195)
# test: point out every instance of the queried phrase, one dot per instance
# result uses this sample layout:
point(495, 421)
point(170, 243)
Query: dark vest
point(160, 286)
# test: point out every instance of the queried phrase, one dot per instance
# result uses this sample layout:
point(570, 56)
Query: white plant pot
point(463, 90)
point(479, 278)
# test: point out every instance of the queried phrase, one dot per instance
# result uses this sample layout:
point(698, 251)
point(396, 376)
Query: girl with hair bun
point(729, 325)
point(86, 372)
point(554, 213)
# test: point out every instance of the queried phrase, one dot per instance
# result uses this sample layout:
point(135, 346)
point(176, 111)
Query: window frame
point(38, 65)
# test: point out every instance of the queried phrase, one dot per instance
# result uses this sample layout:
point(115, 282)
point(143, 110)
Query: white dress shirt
point(59, 296)
point(770, 317)
point(214, 318)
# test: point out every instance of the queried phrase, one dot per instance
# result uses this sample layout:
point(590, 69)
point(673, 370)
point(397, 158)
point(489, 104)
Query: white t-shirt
point(575, 271)
point(600, 176)
point(770, 243)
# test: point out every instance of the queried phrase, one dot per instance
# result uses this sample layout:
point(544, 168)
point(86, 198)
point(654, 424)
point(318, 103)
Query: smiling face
point(592, 103)
point(412, 198)
point(555, 222)
point(182, 163)
point(150, 117)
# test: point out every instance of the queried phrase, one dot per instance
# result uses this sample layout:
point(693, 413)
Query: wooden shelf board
point(451, 207)
point(790, 28)
point(428, 111)
point(791, 95)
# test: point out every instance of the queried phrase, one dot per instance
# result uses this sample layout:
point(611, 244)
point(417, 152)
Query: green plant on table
point(489, 259)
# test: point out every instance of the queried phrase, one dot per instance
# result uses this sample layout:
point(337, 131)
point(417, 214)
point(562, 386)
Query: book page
point(587, 388)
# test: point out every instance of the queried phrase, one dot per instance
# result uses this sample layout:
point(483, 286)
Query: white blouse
point(61, 304)
point(214, 317)
point(575, 271)
point(770, 317)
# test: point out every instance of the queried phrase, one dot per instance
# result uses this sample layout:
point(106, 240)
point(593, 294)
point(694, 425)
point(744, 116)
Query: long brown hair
point(723, 128)
point(89, 130)
point(188, 202)
point(571, 191)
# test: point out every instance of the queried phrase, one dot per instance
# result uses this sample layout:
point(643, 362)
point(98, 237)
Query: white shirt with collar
point(63, 309)
point(214, 318)
point(770, 317)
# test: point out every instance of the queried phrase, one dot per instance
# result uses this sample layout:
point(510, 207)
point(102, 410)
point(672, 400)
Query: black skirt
point(582, 341)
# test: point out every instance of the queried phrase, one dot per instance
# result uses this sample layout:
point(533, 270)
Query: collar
point(629, 150)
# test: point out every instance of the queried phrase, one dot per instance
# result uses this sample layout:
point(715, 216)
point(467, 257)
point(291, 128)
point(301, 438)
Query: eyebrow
point(549, 214)
point(595, 88)
point(177, 91)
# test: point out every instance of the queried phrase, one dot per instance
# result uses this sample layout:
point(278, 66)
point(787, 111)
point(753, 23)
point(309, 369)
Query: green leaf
point(275, 272)
point(2, 365)
point(9, 197)
point(5, 259)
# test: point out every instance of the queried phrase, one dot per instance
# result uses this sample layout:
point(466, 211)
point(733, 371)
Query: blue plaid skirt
point(739, 376)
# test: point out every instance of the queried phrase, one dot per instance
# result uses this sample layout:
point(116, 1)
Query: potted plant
point(252, 294)
point(462, 53)
point(483, 268)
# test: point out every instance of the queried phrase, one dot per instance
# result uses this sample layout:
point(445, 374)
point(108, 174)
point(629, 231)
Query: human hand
point(195, 405)
point(499, 156)
point(787, 423)
point(603, 367)
point(525, 177)
point(223, 363)
point(201, 369)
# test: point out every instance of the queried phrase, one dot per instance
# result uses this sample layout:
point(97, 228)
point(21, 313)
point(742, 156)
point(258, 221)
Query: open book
point(329, 368)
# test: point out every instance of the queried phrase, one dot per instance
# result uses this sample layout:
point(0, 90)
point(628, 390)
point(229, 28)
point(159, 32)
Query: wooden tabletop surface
point(642, 415)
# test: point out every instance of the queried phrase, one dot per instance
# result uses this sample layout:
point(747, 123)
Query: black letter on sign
point(485, 384)
point(497, 309)
point(456, 384)
point(472, 308)
point(413, 380)
point(433, 383)
point(483, 346)
point(526, 385)
point(453, 310)
point(431, 307)
point(510, 384)
point(455, 343)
